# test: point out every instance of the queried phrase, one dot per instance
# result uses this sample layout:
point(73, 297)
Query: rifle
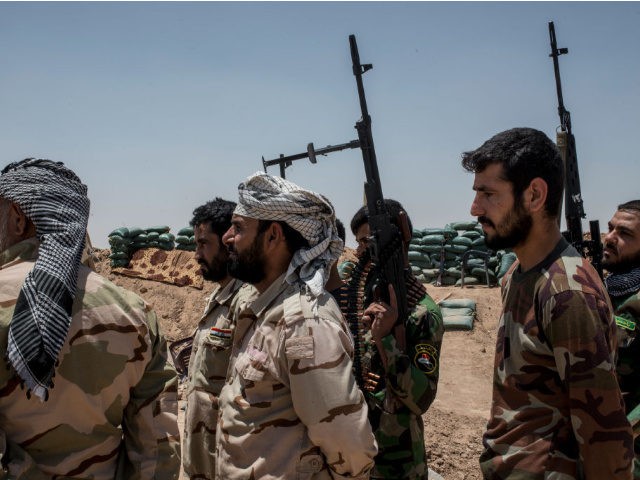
point(311, 154)
point(386, 241)
point(574, 209)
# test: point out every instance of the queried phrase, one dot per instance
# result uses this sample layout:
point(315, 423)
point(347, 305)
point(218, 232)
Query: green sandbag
point(119, 263)
point(464, 241)
point(448, 281)
point(166, 237)
point(478, 242)
point(472, 234)
point(468, 281)
point(432, 231)
point(121, 232)
point(119, 256)
point(166, 245)
point(182, 240)
point(414, 255)
point(135, 231)
point(430, 272)
point(139, 245)
point(159, 229)
point(187, 247)
point(493, 263)
point(186, 231)
point(475, 262)
point(416, 270)
point(452, 312)
point(416, 233)
point(432, 240)
point(458, 303)
point(153, 236)
point(420, 262)
point(458, 322)
point(421, 278)
point(430, 248)
point(480, 275)
point(505, 263)
point(140, 238)
point(454, 272)
point(456, 249)
point(467, 225)
point(117, 240)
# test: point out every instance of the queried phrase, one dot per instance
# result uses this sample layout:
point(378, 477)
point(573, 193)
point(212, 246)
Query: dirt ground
point(455, 421)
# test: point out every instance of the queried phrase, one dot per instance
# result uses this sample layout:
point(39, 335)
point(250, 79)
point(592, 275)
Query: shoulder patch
point(297, 348)
point(625, 323)
point(426, 358)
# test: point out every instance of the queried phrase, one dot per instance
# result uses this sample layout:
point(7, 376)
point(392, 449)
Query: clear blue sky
point(159, 107)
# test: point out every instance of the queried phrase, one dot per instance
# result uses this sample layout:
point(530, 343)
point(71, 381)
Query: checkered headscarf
point(266, 197)
point(55, 200)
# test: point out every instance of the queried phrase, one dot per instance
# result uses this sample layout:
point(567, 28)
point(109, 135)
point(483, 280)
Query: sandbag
point(458, 322)
point(458, 303)
point(182, 239)
point(467, 225)
point(448, 311)
point(159, 229)
point(121, 232)
point(468, 281)
point(186, 232)
point(506, 261)
point(464, 241)
point(135, 231)
point(166, 237)
point(472, 234)
point(432, 240)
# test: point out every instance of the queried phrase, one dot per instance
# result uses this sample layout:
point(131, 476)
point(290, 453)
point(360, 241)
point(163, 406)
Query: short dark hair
point(340, 230)
point(394, 208)
point(525, 154)
point(631, 205)
point(295, 240)
point(216, 213)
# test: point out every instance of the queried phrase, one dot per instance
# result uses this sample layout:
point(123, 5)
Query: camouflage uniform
point(207, 372)
point(291, 408)
point(113, 410)
point(627, 312)
point(557, 411)
point(411, 381)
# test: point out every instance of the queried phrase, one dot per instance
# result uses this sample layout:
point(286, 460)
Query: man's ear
point(20, 226)
point(536, 194)
point(273, 235)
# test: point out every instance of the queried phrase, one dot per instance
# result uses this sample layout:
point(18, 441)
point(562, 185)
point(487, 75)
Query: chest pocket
point(257, 382)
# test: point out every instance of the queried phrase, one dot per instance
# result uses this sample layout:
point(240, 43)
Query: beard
point(621, 264)
point(511, 231)
point(215, 270)
point(248, 266)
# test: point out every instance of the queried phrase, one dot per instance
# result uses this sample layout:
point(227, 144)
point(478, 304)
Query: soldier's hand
point(371, 382)
point(383, 316)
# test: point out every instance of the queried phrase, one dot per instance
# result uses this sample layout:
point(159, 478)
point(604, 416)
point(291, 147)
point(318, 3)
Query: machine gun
point(574, 210)
point(386, 241)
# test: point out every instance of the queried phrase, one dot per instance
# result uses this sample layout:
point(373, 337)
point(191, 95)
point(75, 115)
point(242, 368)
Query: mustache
point(484, 219)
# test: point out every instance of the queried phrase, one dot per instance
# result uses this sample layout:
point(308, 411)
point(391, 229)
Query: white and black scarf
point(623, 284)
point(55, 200)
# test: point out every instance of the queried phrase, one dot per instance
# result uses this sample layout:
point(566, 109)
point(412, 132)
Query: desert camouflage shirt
point(207, 372)
point(627, 312)
point(112, 413)
point(291, 408)
point(411, 380)
point(557, 411)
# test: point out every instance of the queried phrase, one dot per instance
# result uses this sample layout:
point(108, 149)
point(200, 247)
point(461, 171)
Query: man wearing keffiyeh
point(290, 408)
point(621, 258)
point(82, 355)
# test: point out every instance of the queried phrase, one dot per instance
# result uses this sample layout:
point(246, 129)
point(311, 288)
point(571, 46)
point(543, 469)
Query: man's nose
point(227, 238)
point(476, 210)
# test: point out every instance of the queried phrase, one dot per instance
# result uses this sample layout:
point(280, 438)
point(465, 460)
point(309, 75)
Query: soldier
point(290, 408)
point(621, 258)
point(401, 379)
point(112, 413)
point(212, 339)
point(557, 411)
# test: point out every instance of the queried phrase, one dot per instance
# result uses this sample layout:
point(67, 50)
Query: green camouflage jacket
point(291, 408)
point(112, 413)
point(411, 380)
point(557, 411)
point(627, 312)
point(207, 372)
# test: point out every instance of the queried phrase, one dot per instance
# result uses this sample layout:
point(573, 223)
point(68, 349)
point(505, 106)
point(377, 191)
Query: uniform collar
point(20, 252)
point(269, 295)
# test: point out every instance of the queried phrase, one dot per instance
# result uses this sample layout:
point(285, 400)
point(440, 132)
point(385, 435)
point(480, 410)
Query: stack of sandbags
point(185, 240)
point(124, 242)
point(120, 244)
point(506, 258)
point(458, 314)
point(152, 237)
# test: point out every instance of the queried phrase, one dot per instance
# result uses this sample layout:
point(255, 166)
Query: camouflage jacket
point(291, 408)
point(411, 380)
point(207, 372)
point(557, 411)
point(112, 413)
point(627, 312)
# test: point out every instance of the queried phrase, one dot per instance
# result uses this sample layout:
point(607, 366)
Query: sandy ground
point(455, 421)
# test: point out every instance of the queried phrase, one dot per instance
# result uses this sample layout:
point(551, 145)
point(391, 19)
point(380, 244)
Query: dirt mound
point(456, 420)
